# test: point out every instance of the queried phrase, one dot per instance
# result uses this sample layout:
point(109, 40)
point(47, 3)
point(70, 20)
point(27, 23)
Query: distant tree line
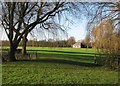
point(46, 43)
point(42, 43)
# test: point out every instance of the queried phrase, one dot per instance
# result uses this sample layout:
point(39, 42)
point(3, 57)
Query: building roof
point(77, 44)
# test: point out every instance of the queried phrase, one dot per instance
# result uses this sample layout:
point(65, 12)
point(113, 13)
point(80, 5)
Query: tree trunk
point(24, 52)
point(12, 53)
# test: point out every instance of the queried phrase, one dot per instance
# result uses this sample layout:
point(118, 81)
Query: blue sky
point(77, 29)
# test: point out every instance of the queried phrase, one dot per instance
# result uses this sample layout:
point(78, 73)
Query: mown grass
point(58, 66)
point(83, 54)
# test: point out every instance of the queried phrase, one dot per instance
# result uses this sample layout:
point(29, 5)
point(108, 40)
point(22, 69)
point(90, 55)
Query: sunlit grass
point(55, 73)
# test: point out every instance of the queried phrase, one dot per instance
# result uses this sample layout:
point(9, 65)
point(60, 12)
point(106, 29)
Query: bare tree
point(103, 11)
point(103, 26)
point(49, 24)
point(70, 41)
point(19, 19)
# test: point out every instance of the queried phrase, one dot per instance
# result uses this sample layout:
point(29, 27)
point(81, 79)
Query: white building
point(76, 45)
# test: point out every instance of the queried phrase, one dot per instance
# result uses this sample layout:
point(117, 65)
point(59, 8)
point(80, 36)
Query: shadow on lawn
point(62, 51)
point(68, 55)
point(77, 56)
point(61, 61)
point(68, 62)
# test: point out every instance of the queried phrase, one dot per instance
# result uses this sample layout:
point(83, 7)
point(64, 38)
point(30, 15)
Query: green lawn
point(58, 66)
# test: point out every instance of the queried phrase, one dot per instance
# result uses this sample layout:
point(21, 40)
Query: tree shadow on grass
point(78, 57)
point(67, 52)
point(61, 61)
point(69, 56)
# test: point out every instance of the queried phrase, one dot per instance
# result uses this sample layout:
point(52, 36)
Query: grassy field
point(58, 66)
